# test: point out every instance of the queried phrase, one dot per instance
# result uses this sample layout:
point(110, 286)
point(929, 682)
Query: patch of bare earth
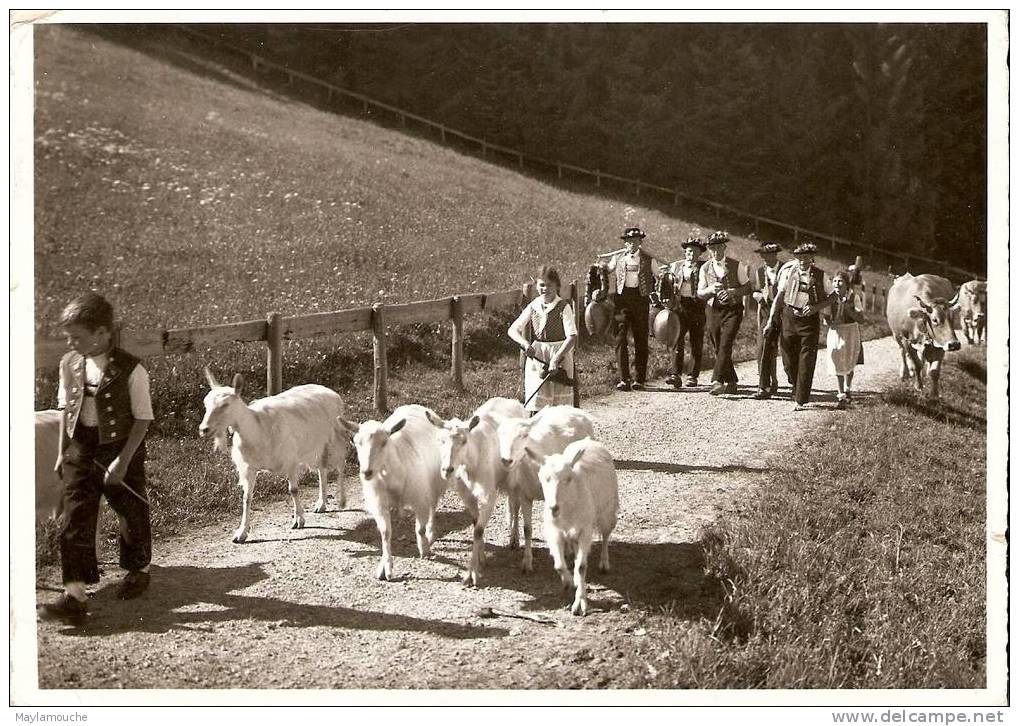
point(302, 608)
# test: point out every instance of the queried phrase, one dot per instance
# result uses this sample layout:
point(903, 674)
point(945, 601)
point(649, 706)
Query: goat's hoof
point(383, 574)
point(527, 568)
point(514, 544)
point(469, 580)
point(239, 536)
point(342, 504)
point(603, 567)
point(320, 507)
point(298, 523)
point(579, 608)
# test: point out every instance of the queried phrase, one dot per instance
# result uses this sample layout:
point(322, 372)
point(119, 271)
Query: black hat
point(632, 233)
point(768, 248)
point(718, 238)
point(805, 248)
point(694, 242)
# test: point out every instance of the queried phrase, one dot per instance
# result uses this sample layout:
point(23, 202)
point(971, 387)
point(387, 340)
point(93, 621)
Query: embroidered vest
point(553, 331)
point(729, 279)
point(113, 398)
point(645, 277)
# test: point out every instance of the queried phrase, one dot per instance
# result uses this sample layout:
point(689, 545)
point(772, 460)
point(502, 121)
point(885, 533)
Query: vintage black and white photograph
point(524, 352)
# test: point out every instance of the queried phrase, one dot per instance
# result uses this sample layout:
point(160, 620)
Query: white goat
point(546, 433)
point(470, 450)
point(581, 494)
point(286, 434)
point(399, 463)
point(49, 489)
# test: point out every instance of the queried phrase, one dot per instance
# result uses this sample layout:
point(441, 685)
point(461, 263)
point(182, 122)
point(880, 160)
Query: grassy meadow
point(189, 194)
point(860, 567)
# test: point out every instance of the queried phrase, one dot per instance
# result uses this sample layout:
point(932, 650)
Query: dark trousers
point(84, 463)
point(691, 323)
point(799, 351)
point(722, 324)
point(767, 350)
point(632, 315)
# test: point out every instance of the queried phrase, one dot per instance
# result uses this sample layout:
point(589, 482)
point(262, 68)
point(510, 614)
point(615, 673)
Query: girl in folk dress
point(555, 335)
point(845, 349)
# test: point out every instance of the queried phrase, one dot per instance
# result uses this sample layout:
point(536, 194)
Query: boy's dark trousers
point(83, 472)
point(799, 351)
point(691, 322)
point(634, 308)
point(767, 350)
point(722, 326)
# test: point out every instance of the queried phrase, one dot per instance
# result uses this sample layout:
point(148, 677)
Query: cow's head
point(933, 323)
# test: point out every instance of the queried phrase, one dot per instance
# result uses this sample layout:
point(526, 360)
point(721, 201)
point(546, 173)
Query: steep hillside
point(191, 196)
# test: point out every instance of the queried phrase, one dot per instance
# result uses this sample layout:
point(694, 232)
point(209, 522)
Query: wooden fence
point(377, 319)
point(849, 248)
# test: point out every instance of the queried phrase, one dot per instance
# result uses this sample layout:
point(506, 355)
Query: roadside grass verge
point(862, 567)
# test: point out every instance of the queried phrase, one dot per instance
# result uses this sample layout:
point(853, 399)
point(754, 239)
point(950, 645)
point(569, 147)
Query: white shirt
point(95, 366)
point(631, 263)
point(684, 272)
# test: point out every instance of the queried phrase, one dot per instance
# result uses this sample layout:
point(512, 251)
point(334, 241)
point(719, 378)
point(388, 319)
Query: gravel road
point(302, 609)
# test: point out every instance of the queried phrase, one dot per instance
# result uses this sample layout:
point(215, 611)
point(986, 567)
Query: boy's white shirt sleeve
point(138, 388)
point(62, 391)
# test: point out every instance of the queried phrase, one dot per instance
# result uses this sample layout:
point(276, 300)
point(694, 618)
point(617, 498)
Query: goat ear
point(397, 426)
point(475, 420)
point(532, 456)
point(916, 313)
point(433, 419)
point(213, 383)
point(351, 426)
point(238, 383)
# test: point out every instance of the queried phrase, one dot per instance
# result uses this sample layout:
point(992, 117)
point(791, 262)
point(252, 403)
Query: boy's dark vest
point(113, 398)
point(729, 279)
point(645, 277)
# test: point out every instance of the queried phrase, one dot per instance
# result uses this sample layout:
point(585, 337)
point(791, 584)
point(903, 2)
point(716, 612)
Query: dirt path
point(302, 609)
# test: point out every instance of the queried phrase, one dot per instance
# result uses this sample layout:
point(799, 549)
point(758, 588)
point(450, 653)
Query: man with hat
point(690, 312)
point(800, 297)
point(766, 284)
point(722, 283)
point(635, 281)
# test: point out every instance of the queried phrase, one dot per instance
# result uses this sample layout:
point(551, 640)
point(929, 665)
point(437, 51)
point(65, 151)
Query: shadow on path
point(671, 468)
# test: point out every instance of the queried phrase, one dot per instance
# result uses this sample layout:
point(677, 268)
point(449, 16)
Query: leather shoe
point(761, 395)
point(66, 609)
point(717, 389)
point(623, 386)
point(135, 583)
point(637, 386)
point(691, 381)
point(729, 389)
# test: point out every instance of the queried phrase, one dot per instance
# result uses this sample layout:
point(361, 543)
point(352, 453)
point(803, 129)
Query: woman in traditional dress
point(845, 349)
point(547, 331)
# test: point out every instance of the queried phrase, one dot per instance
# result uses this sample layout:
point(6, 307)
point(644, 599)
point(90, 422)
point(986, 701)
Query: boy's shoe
point(672, 380)
point(717, 388)
point(135, 583)
point(637, 386)
point(729, 389)
point(66, 609)
point(761, 395)
point(623, 386)
point(691, 381)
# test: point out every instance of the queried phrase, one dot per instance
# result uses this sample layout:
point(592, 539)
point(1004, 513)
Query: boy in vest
point(722, 283)
point(799, 299)
point(766, 284)
point(635, 281)
point(104, 395)
point(690, 312)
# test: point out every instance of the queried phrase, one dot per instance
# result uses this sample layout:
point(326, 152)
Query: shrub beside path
point(301, 608)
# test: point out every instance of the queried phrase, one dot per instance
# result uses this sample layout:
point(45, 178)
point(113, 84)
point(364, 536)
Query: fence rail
point(849, 246)
point(276, 328)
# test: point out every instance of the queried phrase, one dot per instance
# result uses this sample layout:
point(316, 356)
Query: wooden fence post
point(379, 349)
point(578, 309)
point(274, 354)
point(457, 356)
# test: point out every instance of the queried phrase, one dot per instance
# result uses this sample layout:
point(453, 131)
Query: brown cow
point(972, 311)
point(918, 315)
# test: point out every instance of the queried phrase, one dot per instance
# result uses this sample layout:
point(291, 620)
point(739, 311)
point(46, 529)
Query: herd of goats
point(409, 460)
